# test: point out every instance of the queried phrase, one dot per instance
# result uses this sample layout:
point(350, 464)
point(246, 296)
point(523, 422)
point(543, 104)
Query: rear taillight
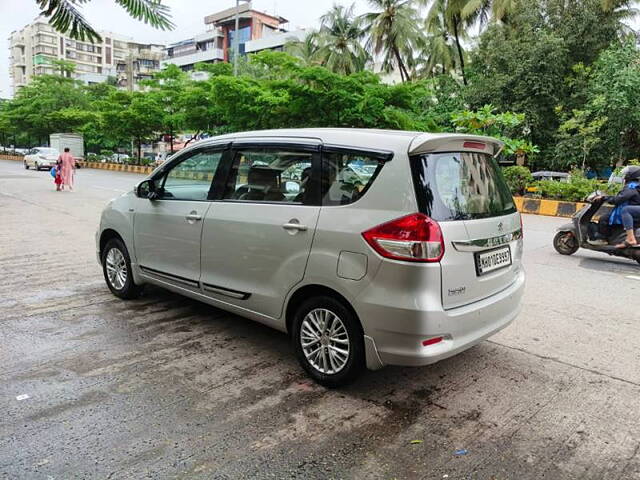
point(414, 238)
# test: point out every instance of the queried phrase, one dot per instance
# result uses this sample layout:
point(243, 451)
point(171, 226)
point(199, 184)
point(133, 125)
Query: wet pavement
point(166, 387)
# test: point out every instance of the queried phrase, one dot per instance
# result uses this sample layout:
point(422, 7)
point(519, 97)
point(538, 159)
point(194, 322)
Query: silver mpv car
point(368, 247)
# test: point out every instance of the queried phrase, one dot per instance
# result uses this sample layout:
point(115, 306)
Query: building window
point(108, 55)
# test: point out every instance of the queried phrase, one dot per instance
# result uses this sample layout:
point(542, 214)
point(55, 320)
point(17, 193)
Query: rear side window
point(270, 175)
point(347, 176)
point(460, 186)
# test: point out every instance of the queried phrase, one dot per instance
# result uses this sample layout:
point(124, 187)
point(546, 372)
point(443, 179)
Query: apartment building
point(216, 43)
point(33, 48)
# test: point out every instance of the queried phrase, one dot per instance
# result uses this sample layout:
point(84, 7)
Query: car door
point(168, 228)
point(257, 238)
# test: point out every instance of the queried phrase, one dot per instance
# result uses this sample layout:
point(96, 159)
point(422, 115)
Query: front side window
point(460, 186)
point(347, 176)
point(191, 179)
point(270, 175)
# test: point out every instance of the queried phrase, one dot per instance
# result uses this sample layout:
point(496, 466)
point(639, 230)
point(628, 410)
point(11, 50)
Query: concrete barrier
point(542, 206)
point(17, 158)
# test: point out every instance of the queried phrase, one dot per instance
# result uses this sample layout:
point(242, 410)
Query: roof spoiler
point(455, 142)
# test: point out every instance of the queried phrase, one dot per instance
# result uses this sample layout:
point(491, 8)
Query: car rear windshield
point(460, 186)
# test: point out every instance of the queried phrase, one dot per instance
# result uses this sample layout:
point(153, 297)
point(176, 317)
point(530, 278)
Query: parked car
point(119, 158)
point(41, 158)
point(548, 175)
point(409, 265)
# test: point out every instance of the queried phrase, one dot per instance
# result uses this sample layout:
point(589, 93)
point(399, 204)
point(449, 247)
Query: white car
point(41, 158)
point(413, 261)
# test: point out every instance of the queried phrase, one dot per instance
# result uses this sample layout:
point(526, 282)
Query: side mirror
point(146, 189)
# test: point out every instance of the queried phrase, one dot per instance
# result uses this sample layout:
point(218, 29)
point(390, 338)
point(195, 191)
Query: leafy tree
point(36, 108)
point(166, 90)
point(65, 16)
point(504, 126)
point(393, 34)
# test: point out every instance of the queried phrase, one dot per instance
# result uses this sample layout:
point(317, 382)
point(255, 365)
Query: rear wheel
point(565, 243)
point(116, 266)
point(328, 341)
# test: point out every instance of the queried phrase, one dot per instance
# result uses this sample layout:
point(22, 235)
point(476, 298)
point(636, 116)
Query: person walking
point(58, 177)
point(68, 168)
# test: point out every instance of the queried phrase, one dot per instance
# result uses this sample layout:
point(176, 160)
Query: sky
point(188, 15)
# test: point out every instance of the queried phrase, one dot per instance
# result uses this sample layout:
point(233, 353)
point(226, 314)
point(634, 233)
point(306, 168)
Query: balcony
point(199, 56)
point(19, 61)
point(18, 42)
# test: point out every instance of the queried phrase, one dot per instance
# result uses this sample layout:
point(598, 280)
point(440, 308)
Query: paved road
point(165, 387)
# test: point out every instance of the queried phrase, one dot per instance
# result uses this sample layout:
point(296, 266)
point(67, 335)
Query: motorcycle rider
point(629, 196)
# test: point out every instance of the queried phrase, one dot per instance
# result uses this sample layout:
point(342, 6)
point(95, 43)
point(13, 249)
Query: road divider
point(542, 206)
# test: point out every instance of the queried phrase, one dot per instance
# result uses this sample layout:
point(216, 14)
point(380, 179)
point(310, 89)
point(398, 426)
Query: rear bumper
point(397, 333)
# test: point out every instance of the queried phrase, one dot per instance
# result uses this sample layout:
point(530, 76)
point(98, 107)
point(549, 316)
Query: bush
point(517, 179)
point(577, 189)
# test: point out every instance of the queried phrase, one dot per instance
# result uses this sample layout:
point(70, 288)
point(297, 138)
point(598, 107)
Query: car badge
point(501, 227)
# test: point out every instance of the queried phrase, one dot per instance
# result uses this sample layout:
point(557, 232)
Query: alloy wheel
point(116, 268)
point(325, 341)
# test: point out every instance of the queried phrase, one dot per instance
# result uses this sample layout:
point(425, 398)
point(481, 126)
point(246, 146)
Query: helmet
point(630, 173)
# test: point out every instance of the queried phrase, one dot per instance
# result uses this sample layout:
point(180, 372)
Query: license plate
point(492, 260)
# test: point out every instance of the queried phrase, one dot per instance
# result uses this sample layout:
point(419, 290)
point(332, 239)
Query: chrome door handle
point(294, 226)
point(193, 217)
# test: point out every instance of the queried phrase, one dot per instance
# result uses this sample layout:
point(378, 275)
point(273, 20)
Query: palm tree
point(449, 12)
point(306, 50)
point(393, 32)
point(439, 51)
point(339, 41)
point(65, 16)
point(485, 11)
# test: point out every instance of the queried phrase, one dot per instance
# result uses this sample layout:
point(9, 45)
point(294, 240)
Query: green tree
point(340, 47)
point(65, 16)
point(166, 90)
point(393, 34)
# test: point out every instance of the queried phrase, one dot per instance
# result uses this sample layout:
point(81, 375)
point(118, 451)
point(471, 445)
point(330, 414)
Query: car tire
point(37, 167)
point(337, 332)
point(26, 166)
point(116, 267)
point(565, 243)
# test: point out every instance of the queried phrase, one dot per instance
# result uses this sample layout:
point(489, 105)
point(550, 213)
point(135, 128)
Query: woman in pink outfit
point(68, 169)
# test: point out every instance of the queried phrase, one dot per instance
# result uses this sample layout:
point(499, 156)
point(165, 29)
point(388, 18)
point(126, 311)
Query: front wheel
point(328, 341)
point(116, 266)
point(26, 166)
point(565, 243)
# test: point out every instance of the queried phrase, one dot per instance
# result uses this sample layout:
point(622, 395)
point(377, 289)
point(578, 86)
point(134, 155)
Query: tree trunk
point(171, 137)
point(457, 37)
point(403, 71)
point(139, 151)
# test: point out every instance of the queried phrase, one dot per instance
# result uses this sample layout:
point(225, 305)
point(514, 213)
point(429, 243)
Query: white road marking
point(22, 397)
point(633, 277)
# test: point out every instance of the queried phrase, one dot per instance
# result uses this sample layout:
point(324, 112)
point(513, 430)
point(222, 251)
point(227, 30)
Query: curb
point(117, 167)
point(552, 208)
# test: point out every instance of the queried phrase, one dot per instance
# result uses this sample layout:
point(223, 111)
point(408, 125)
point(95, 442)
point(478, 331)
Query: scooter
point(572, 236)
